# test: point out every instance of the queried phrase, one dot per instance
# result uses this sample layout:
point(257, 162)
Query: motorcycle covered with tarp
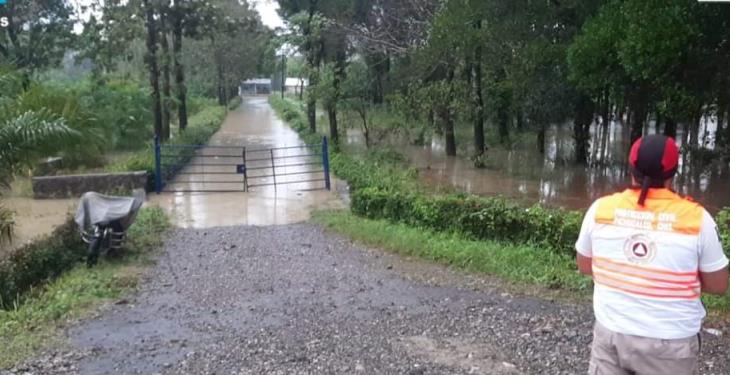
point(104, 219)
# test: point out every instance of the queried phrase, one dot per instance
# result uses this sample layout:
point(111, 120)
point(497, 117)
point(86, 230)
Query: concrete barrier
point(72, 186)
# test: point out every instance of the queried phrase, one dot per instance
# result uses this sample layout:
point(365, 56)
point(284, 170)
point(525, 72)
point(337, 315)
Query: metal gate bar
point(176, 158)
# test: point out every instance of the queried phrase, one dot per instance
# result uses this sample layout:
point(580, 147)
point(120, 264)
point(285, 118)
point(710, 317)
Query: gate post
point(326, 163)
point(158, 166)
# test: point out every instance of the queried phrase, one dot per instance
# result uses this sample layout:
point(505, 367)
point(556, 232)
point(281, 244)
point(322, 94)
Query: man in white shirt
point(651, 254)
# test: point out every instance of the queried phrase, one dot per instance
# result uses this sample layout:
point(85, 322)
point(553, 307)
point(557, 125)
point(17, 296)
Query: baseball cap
point(653, 159)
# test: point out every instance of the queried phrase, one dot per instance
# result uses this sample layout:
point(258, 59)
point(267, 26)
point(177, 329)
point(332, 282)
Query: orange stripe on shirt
point(651, 273)
point(644, 284)
point(626, 287)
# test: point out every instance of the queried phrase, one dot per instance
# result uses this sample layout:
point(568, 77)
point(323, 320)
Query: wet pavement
point(295, 299)
point(255, 126)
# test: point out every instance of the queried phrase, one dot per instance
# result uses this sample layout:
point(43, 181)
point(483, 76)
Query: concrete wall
point(72, 186)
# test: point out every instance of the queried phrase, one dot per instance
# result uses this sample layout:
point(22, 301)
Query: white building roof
point(258, 81)
point(294, 82)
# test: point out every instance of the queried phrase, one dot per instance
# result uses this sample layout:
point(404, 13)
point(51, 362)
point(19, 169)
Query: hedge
point(38, 262)
point(474, 217)
point(35, 264)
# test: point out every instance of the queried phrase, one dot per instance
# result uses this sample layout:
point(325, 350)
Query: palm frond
point(28, 136)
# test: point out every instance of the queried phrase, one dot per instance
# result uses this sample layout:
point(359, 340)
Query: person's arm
point(715, 282)
point(713, 264)
point(584, 244)
point(585, 264)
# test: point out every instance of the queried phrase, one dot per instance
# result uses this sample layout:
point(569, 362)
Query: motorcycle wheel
point(92, 255)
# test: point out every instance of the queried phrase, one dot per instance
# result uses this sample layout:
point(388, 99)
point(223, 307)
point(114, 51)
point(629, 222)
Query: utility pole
point(283, 79)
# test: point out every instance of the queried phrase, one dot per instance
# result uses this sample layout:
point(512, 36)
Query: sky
point(267, 10)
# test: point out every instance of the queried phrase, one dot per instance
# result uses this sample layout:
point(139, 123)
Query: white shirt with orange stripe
point(646, 262)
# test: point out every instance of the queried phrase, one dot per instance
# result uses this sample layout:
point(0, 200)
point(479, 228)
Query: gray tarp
point(95, 208)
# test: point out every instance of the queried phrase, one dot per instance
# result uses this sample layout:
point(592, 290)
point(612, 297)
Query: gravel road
point(296, 299)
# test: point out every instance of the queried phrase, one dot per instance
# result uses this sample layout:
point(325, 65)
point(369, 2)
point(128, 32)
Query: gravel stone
point(296, 299)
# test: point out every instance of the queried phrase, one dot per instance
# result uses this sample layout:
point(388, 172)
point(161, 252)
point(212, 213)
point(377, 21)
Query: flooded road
point(553, 178)
point(255, 126)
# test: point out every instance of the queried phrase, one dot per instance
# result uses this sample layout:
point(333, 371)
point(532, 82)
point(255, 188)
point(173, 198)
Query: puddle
point(254, 125)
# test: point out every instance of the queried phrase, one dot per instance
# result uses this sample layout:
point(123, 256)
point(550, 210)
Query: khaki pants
point(618, 354)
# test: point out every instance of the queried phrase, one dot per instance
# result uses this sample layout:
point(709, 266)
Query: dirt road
point(297, 300)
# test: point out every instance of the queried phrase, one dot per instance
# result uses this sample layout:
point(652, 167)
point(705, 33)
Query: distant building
point(255, 86)
point(295, 85)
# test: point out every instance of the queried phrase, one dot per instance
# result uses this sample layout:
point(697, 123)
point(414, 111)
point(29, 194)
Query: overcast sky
point(267, 10)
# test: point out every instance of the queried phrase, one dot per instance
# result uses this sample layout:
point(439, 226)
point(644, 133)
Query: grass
point(34, 324)
point(522, 265)
point(514, 263)
point(519, 263)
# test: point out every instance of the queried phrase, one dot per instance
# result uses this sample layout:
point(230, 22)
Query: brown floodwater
point(254, 125)
point(552, 178)
point(37, 217)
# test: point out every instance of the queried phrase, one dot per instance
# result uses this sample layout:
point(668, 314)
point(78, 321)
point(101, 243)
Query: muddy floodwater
point(36, 217)
point(553, 178)
point(253, 125)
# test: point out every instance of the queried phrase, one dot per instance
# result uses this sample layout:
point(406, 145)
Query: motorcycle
point(103, 221)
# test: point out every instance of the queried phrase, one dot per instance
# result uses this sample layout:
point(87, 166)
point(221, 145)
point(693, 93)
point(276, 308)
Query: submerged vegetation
point(391, 209)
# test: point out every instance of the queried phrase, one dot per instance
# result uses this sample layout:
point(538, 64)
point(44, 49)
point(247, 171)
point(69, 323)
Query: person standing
point(651, 254)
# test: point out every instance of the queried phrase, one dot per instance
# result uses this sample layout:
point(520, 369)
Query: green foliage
point(30, 323)
point(41, 261)
point(201, 126)
point(517, 263)
point(723, 226)
point(473, 217)
point(38, 262)
point(293, 113)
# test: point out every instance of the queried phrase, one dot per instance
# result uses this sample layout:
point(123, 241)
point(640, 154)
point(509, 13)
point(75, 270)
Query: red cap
point(653, 160)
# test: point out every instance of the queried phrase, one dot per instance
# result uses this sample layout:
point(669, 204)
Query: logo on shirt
point(639, 248)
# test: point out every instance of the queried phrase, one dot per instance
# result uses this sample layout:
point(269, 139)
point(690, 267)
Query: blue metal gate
point(212, 168)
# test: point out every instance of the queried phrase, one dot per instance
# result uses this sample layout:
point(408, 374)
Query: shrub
point(473, 217)
point(38, 262)
point(201, 126)
point(43, 260)
point(723, 227)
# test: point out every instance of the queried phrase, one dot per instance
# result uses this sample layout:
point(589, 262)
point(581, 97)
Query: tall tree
point(151, 61)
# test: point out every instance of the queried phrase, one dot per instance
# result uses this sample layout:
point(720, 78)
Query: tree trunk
point(181, 91)
point(447, 117)
point(165, 78)
point(503, 122)
point(313, 54)
point(670, 127)
point(541, 138)
point(379, 65)
point(152, 66)
point(221, 84)
point(639, 106)
point(605, 108)
point(503, 106)
point(581, 128)
point(719, 127)
point(476, 85)
point(726, 138)
point(332, 116)
point(695, 129)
